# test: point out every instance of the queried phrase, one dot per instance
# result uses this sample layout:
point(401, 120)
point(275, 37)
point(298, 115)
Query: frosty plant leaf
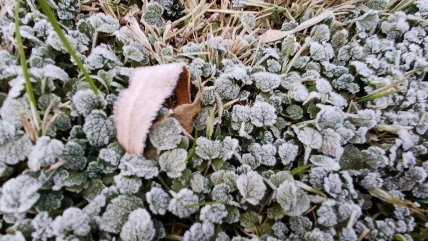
point(137, 106)
point(52, 19)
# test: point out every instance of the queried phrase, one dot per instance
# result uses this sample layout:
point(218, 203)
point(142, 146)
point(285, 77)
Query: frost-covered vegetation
point(317, 131)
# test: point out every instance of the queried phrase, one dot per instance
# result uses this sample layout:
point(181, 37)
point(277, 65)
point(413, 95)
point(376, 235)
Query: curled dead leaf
point(138, 105)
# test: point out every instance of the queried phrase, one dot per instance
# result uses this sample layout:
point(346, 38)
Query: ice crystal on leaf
point(158, 200)
point(74, 221)
point(265, 81)
point(208, 149)
point(44, 152)
point(104, 23)
point(262, 114)
point(19, 194)
point(138, 166)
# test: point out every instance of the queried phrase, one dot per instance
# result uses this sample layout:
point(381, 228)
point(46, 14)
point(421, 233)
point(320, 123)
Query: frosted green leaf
point(293, 200)
point(327, 163)
point(173, 162)
point(251, 187)
point(367, 22)
point(265, 81)
point(84, 101)
point(15, 146)
point(126, 184)
point(199, 183)
point(19, 194)
point(45, 153)
point(138, 166)
point(183, 203)
point(104, 23)
point(136, 52)
point(264, 154)
point(111, 154)
point(117, 212)
point(139, 227)
point(102, 56)
point(230, 147)
point(199, 232)
point(213, 213)
point(153, 14)
point(74, 156)
point(74, 221)
point(208, 149)
point(158, 200)
point(99, 128)
point(287, 152)
point(262, 114)
point(309, 137)
point(226, 88)
point(166, 135)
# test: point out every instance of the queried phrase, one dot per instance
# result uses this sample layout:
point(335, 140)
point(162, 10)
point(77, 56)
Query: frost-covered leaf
point(287, 152)
point(139, 227)
point(325, 162)
point(84, 101)
point(166, 135)
point(183, 203)
point(74, 221)
point(138, 166)
point(293, 200)
point(265, 81)
point(173, 162)
point(99, 129)
point(262, 114)
point(251, 187)
point(104, 23)
point(309, 137)
point(213, 213)
point(117, 212)
point(208, 149)
point(15, 146)
point(45, 152)
point(19, 194)
point(158, 200)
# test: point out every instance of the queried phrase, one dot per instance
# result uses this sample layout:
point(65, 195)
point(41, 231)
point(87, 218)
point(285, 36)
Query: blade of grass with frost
point(52, 19)
point(23, 60)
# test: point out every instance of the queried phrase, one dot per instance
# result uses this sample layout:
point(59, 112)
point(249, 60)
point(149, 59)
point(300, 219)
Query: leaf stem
point(23, 60)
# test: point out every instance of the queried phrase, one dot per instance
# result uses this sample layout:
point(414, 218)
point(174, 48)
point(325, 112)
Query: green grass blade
point(52, 19)
point(23, 60)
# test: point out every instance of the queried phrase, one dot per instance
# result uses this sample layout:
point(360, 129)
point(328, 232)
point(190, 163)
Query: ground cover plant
point(313, 121)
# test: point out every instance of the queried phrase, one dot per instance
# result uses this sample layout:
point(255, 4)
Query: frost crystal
point(138, 166)
point(292, 199)
point(208, 149)
point(173, 162)
point(183, 203)
point(44, 153)
point(84, 101)
point(265, 81)
point(158, 200)
point(139, 227)
point(166, 135)
point(262, 114)
point(251, 187)
point(230, 147)
point(73, 220)
point(213, 213)
point(99, 129)
point(19, 194)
